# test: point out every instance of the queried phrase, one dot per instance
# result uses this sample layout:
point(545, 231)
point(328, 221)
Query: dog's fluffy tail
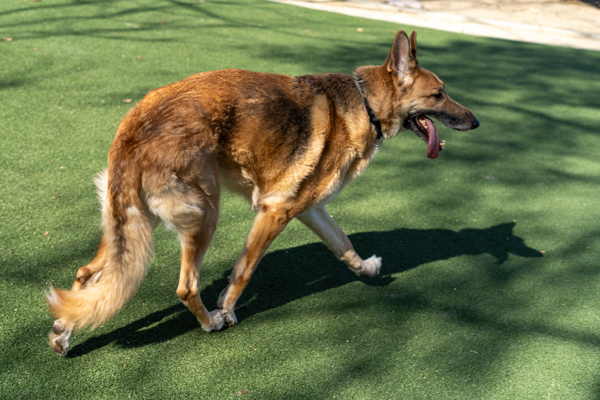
point(120, 265)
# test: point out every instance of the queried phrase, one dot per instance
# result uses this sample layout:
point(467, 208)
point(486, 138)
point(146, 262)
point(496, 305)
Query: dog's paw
point(60, 337)
point(371, 266)
point(217, 321)
point(230, 318)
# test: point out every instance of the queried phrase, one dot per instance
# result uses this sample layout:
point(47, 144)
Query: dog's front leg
point(269, 222)
point(321, 223)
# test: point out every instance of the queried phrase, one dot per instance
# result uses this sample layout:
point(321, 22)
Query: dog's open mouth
point(426, 130)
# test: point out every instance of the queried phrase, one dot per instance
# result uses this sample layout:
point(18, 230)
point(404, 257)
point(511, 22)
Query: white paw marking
point(230, 318)
point(217, 321)
point(371, 266)
point(60, 338)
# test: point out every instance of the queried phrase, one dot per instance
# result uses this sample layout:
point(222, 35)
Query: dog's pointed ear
point(403, 56)
point(413, 45)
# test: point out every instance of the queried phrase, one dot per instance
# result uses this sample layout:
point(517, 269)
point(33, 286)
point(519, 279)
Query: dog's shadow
point(286, 275)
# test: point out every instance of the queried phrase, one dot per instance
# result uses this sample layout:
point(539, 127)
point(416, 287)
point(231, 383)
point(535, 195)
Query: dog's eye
point(438, 95)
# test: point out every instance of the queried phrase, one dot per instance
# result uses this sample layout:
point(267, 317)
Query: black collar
point(374, 120)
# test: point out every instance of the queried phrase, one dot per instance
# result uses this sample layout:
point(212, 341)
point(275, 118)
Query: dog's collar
point(374, 120)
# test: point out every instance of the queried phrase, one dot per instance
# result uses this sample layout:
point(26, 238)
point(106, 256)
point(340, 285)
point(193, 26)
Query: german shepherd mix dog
point(287, 144)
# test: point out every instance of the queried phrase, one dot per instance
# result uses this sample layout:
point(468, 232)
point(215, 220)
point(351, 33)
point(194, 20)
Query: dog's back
point(269, 132)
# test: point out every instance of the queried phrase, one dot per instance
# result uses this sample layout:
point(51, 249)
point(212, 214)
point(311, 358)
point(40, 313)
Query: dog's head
point(407, 94)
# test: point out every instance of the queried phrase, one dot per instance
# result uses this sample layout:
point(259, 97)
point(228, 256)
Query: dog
point(286, 144)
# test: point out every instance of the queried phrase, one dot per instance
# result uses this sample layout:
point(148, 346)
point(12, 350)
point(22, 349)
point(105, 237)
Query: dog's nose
point(475, 123)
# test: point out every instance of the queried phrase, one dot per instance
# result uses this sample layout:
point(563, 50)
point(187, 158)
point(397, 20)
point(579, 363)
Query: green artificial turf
point(490, 278)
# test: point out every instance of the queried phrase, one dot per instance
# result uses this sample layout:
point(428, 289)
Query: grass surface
point(490, 281)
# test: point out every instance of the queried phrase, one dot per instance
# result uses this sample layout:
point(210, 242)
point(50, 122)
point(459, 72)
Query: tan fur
point(287, 144)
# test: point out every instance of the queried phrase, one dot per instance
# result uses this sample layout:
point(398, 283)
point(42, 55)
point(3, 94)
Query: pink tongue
point(433, 146)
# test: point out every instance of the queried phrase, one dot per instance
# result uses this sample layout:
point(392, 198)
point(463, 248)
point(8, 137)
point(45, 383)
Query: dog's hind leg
point(194, 243)
point(321, 223)
point(269, 222)
point(190, 206)
point(91, 272)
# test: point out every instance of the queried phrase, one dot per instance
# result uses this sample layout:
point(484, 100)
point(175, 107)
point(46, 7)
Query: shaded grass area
point(490, 277)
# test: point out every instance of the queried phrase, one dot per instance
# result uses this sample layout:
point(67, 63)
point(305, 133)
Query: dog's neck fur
point(375, 88)
point(374, 120)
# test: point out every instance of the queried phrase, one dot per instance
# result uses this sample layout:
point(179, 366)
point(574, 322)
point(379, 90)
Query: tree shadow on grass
point(106, 19)
point(287, 275)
